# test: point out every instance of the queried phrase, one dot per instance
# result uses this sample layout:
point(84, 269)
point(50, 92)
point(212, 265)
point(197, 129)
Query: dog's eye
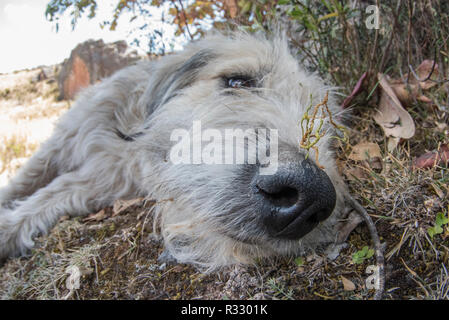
point(240, 82)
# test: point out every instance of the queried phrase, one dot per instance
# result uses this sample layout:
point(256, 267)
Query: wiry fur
point(114, 143)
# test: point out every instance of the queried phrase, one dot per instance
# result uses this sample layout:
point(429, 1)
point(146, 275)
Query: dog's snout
point(295, 199)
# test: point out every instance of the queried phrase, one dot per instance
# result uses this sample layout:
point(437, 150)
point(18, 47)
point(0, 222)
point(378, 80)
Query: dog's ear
point(173, 75)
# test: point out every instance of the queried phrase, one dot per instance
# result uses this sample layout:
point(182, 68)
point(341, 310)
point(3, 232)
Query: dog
point(118, 142)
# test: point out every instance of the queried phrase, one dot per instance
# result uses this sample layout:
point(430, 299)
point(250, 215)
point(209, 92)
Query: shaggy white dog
point(116, 143)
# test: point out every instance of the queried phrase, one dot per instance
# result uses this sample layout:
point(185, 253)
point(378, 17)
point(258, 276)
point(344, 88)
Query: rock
point(90, 62)
point(45, 73)
point(41, 76)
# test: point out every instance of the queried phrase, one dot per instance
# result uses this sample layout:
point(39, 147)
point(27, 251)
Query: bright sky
point(29, 40)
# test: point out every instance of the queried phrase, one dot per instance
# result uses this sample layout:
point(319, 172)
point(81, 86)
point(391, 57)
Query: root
point(377, 245)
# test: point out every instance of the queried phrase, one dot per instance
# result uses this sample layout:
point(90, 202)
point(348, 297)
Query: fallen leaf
point(347, 226)
point(231, 7)
point(99, 216)
point(121, 205)
point(357, 89)
point(348, 285)
point(434, 158)
point(423, 71)
point(392, 143)
point(408, 92)
point(391, 116)
point(356, 173)
point(365, 151)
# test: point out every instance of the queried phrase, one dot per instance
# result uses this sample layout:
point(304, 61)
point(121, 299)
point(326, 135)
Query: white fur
point(85, 166)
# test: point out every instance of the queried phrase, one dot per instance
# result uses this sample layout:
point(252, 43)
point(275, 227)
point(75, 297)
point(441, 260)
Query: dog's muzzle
point(294, 200)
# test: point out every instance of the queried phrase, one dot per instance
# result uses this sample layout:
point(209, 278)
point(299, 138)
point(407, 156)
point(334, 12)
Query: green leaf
point(362, 255)
point(328, 5)
point(431, 232)
point(434, 230)
point(441, 219)
point(299, 261)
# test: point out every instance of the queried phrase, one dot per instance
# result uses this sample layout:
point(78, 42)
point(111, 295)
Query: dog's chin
point(259, 237)
point(255, 241)
point(317, 240)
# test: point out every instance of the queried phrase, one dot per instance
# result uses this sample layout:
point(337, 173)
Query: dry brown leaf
point(355, 173)
point(434, 158)
point(391, 116)
point(348, 285)
point(99, 216)
point(365, 151)
point(121, 205)
point(408, 92)
point(423, 71)
point(392, 143)
point(357, 89)
point(232, 8)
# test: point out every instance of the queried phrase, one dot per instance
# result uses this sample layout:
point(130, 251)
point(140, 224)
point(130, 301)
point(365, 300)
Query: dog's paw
point(15, 236)
point(166, 258)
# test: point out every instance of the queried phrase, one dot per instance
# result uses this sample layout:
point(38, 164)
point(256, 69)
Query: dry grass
point(405, 202)
point(120, 253)
point(28, 111)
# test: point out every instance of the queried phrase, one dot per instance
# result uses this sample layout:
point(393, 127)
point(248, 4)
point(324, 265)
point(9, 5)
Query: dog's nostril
point(315, 218)
point(285, 197)
point(295, 200)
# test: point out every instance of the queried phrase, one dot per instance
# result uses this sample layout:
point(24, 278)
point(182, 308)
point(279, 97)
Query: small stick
point(377, 245)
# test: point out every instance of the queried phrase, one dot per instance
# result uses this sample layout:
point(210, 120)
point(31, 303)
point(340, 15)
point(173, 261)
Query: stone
point(90, 62)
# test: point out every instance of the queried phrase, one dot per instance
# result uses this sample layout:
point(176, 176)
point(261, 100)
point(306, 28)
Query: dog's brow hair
point(180, 78)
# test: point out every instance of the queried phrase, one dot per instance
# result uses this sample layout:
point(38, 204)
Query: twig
point(377, 245)
point(390, 41)
point(185, 17)
point(430, 73)
point(409, 35)
point(373, 51)
point(179, 18)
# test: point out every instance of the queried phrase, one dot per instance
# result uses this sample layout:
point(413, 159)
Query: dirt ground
point(116, 252)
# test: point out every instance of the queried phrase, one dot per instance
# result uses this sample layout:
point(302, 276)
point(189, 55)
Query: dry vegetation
point(28, 111)
point(117, 252)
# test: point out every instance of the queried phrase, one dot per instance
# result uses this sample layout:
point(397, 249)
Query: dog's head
point(239, 156)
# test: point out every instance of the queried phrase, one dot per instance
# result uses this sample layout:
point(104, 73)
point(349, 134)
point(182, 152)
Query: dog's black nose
point(295, 199)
